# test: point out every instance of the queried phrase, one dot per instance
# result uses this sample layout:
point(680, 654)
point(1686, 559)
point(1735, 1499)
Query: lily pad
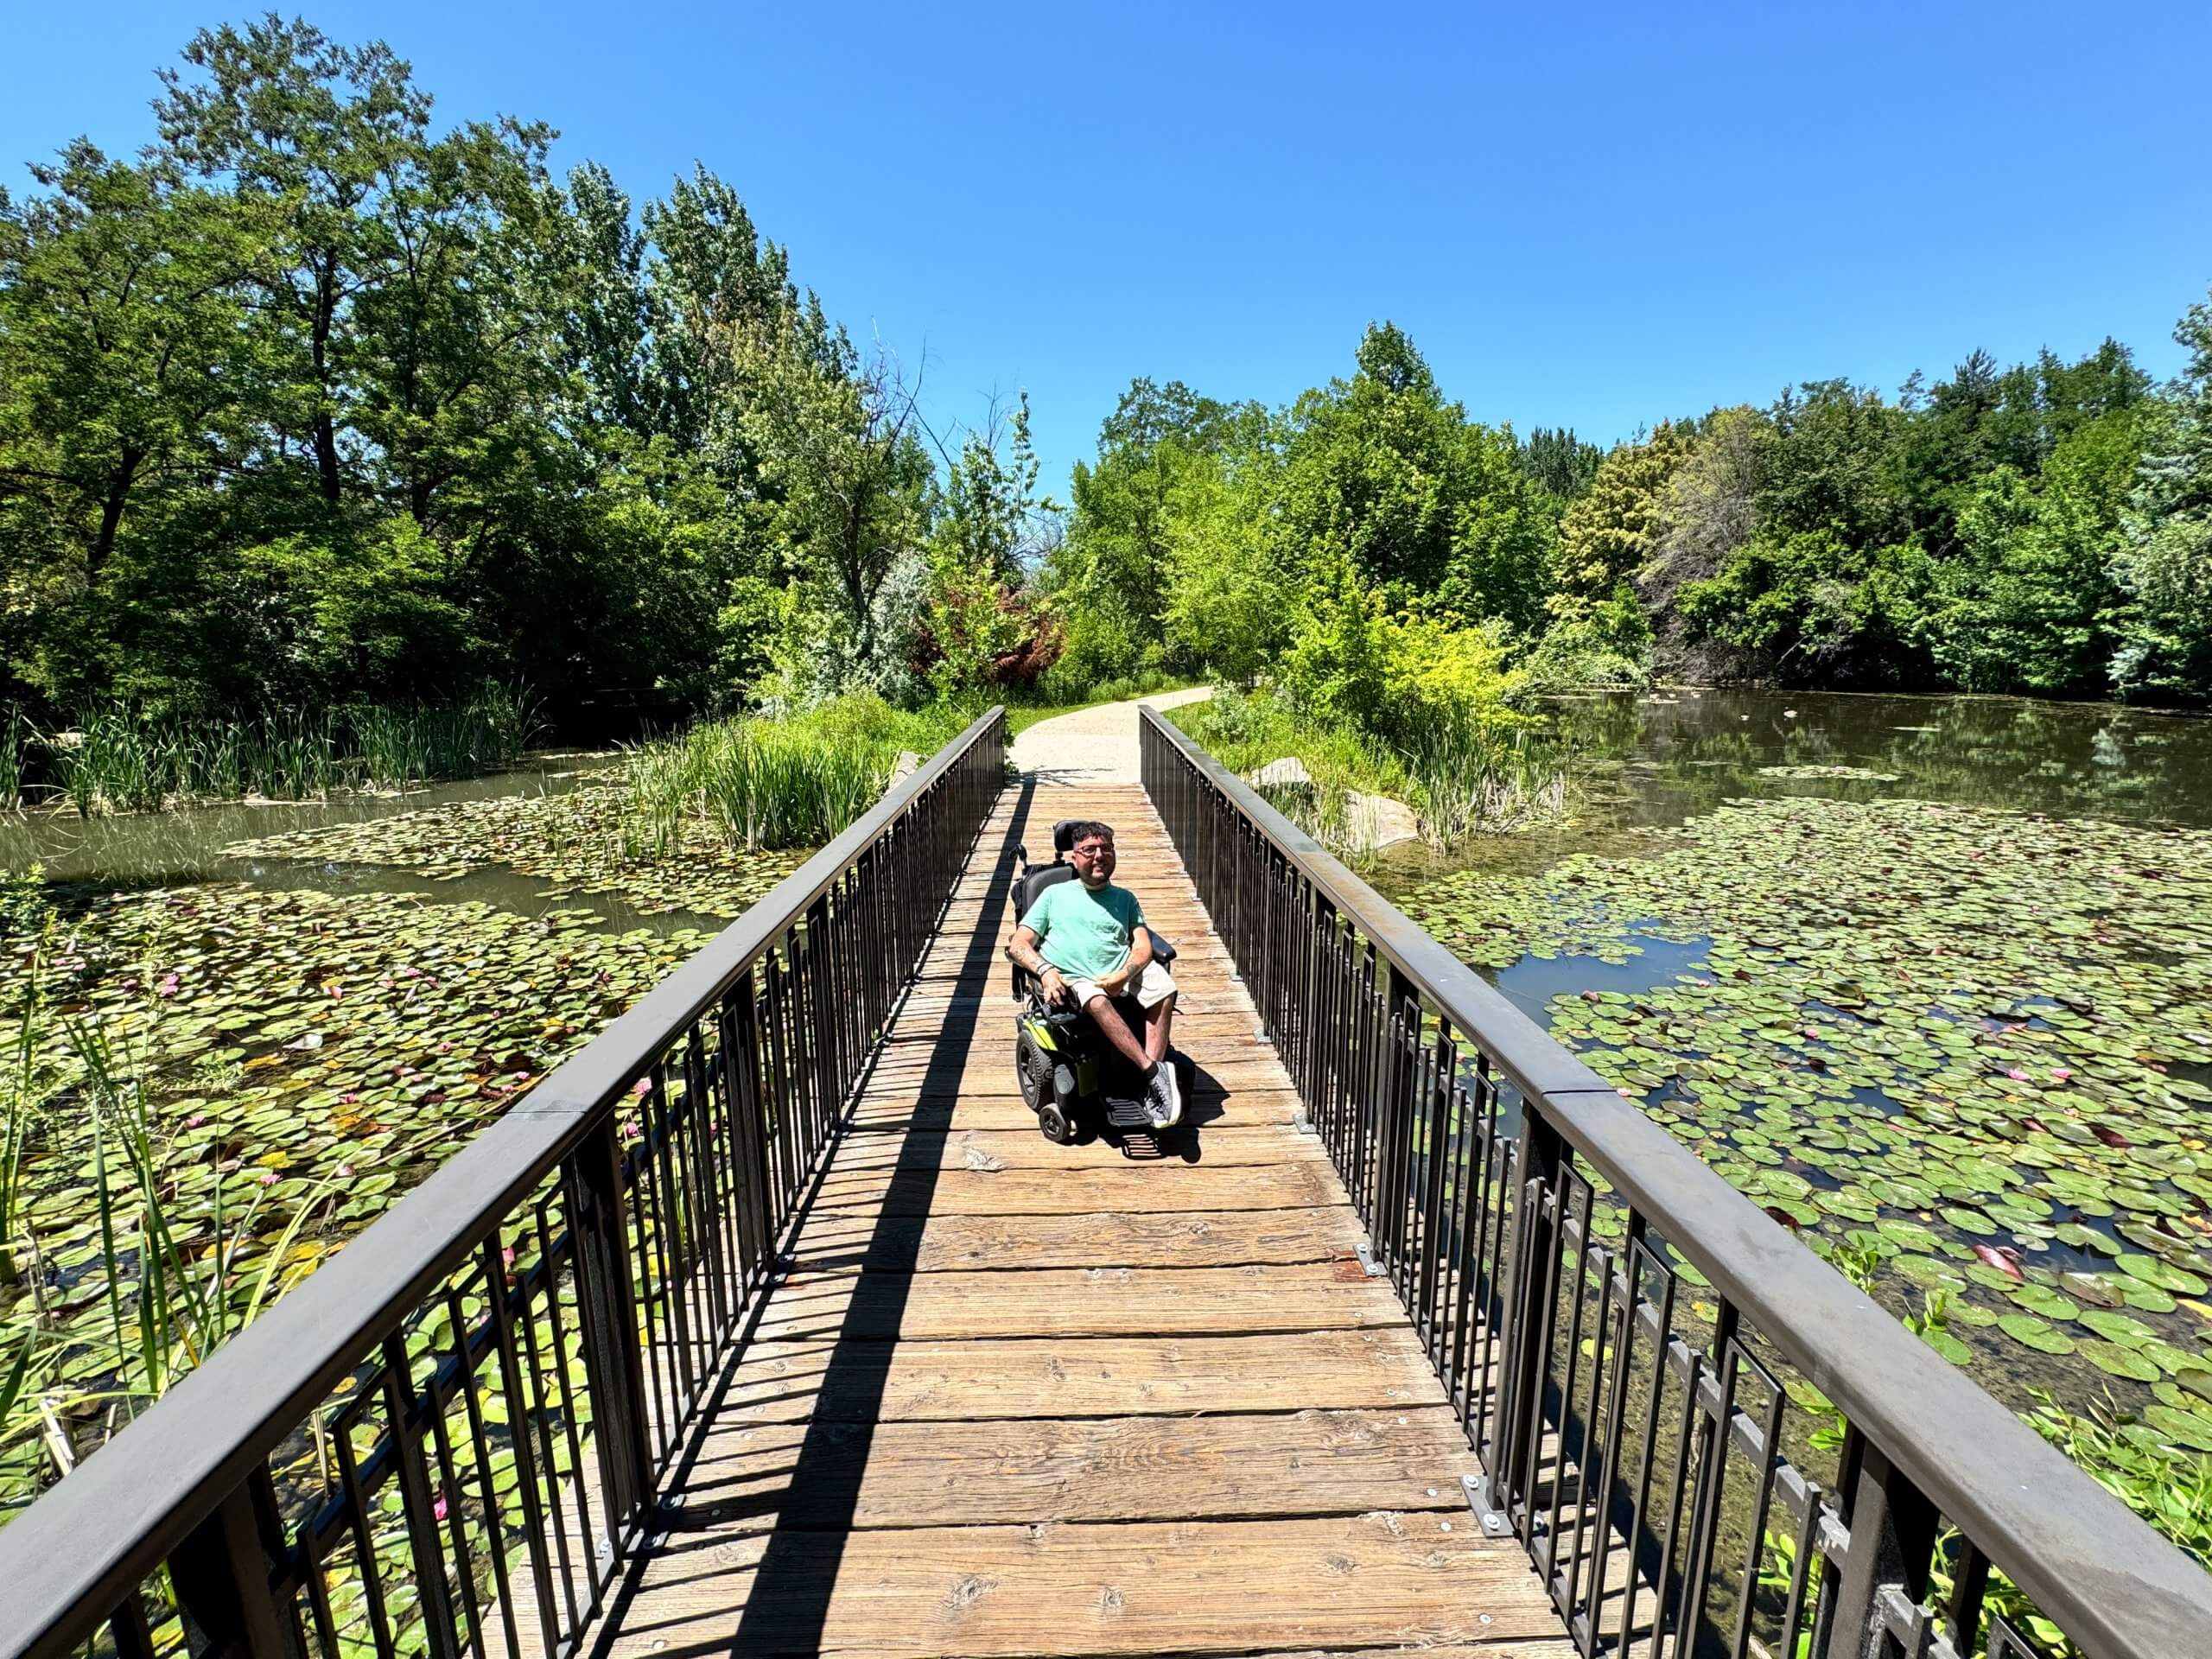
point(2038, 1334)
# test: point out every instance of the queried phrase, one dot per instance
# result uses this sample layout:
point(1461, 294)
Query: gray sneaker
point(1164, 1097)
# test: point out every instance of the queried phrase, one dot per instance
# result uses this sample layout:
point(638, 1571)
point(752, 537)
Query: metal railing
point(448, 1440)
point(1620, 1330)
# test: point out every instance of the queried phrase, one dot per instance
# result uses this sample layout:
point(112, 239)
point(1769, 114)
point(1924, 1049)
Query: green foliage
point(128, 759)
point(1382, 471)
point(1612, 532)
point(2026, 605)
point(772, 783)
point(2162, 561)
point(315, 403)
point(1559, 463)
point(1410, 678)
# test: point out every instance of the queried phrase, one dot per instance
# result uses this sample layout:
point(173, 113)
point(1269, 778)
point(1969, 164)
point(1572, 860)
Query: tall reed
point(15, 734)
point(751, 783)
point(121, 758)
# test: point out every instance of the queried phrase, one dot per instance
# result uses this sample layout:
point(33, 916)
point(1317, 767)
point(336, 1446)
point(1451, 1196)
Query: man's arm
point(1021, 951)
point(1140, 954)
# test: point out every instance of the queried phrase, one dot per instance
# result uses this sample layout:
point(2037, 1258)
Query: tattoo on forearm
point(1022, 954)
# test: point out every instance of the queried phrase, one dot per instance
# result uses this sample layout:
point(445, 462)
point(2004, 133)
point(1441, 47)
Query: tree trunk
point(118, 492)
point(326, 428)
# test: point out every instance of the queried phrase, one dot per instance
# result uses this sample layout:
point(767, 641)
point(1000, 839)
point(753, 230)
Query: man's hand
point(1054, 987)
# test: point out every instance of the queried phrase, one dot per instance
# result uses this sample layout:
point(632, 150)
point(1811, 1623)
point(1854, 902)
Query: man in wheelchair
point(1086, 943)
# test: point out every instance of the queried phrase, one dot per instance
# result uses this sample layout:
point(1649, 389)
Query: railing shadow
point(786, 1603)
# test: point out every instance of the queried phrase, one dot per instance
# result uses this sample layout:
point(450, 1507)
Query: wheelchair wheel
point(1055, 1125)
point(1032, 1068)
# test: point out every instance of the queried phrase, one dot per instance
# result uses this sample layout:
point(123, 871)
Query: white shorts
point(1150, 988)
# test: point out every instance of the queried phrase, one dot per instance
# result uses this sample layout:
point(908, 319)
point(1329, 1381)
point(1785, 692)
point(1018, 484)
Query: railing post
point(614, 1367)
point(1524, 1352)
point(221, 1575)
point(1394, 1140)
point(1893, 1529)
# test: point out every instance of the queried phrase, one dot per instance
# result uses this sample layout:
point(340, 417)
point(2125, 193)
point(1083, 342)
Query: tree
point(2027, 604)
point(317, 137)
point(1380, 469)
point(2162, 561)
point(1612, 531)
point(1707, 515)
point(1226, 575)
point(1158, 442)
point(993, 530)
point(122, 366)
point(1559, 463)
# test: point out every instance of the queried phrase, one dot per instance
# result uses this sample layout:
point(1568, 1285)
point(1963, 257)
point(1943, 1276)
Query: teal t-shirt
point(1081, 933)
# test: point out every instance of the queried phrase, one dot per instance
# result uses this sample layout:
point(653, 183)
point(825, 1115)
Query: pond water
point(1655, 761)
point(304, 1009)
point(175, 849)
point(1929, 978)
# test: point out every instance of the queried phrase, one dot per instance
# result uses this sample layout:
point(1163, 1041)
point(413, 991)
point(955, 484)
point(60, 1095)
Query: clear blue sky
point(1591, 216)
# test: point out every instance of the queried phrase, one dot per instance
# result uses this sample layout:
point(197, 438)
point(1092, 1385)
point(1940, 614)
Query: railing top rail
point(2092, 1566)
point(86, 1542)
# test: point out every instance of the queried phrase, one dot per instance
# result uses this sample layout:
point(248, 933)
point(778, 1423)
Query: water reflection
point(170, 849)
point(1645, 762)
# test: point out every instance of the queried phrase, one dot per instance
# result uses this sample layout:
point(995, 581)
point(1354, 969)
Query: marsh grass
point(14, 743)
point(126, 759)
point(767, 784)
point(1463, 778)
point(175, 1281)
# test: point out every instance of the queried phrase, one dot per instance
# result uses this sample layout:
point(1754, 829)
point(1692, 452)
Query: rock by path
point(1093, 746)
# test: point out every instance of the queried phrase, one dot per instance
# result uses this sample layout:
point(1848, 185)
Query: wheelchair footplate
point(1131, 1121)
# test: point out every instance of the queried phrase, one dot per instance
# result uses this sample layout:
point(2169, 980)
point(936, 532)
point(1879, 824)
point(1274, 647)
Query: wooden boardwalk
point(1021, 1399)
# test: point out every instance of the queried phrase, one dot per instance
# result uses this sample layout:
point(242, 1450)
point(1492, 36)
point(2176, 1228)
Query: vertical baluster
point(221, 1575)
point(1525, 1351)
point(613, 1368)
point(417, 1504)
point(1893, 1531)
point(530, 1490)
point(1770, 1459)
point(1712, 1482)
point(1640, 1258)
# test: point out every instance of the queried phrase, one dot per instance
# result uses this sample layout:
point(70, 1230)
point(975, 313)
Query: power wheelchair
point(1071, 1076)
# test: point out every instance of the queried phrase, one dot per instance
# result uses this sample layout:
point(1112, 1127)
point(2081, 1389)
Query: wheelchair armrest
point(1163, 948)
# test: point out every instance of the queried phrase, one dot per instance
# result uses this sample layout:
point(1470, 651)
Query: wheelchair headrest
point(1064, 837)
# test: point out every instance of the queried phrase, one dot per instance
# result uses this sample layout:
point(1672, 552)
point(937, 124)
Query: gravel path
point(1093, 746)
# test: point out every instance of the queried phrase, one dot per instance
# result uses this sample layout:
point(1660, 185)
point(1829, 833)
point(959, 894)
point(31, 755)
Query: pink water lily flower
point(167, 987)
point(643, 1086)
point(195, 1120)
point(269, 1178)
point(2016, 1074)
point(438, 1508)
point(2060, 1074)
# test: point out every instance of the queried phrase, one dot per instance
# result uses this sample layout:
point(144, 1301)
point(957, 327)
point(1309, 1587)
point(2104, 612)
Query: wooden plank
point(863, 1237)
point(988, 1068)
point(1116, 1376)
point(1165, 1185)
point(920, 1145)
point(1277, 1107)
point(1222, 1587)
point(753, 1475)
point(846, 1304)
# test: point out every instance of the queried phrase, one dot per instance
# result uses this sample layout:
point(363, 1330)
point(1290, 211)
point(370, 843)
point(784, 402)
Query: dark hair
point(1086, 829)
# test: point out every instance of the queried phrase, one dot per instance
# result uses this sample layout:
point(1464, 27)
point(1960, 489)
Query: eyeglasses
point(1096, 849)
